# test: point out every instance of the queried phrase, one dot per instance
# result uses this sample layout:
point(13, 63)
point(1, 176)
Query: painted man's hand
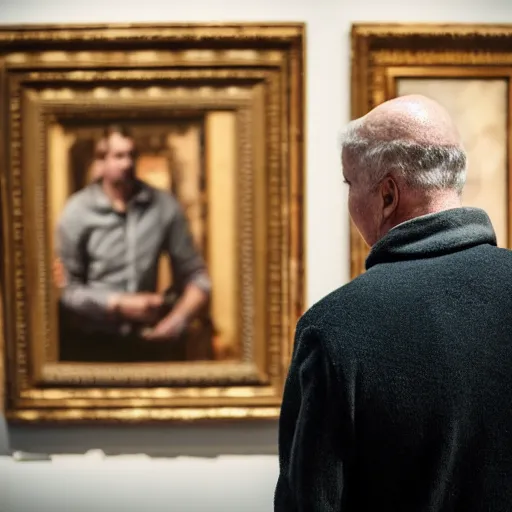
point(138, 307)
point(168, 328)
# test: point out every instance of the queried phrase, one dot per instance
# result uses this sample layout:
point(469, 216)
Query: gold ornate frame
point(384, 53)
point(54, 72)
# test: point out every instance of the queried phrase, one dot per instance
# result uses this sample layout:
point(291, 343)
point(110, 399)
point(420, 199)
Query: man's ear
point(390, 196)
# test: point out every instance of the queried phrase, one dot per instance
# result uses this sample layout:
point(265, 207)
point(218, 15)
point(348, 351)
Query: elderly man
point(399, 392)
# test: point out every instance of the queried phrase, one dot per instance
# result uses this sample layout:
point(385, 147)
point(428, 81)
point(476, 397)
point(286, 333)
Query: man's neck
point(429, 209)
point(119, 193)
point(438, 202)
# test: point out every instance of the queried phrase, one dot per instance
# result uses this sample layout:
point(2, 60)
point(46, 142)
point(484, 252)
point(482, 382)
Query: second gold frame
point(468, 69)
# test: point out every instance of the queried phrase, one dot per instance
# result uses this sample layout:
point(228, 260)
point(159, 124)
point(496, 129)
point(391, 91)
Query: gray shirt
point(104, 251)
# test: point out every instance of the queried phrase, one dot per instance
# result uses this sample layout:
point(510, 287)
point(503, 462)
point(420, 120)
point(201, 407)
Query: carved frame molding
point(255, 71)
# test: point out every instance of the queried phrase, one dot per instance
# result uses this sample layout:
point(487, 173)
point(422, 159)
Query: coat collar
point(434, 235)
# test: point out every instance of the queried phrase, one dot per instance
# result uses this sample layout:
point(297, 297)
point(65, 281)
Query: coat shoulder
point(334, 303)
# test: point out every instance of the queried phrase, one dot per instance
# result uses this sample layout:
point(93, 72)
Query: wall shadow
point(4, 437)
point(193, 440)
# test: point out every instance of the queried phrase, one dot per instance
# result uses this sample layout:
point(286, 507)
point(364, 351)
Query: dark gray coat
point(399, 394)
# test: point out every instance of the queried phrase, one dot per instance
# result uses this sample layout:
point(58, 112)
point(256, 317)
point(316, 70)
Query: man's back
point(418, 384)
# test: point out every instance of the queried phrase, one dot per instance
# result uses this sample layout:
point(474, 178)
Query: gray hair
point(425, 167)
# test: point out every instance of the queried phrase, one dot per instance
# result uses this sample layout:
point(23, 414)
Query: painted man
point(110, 237)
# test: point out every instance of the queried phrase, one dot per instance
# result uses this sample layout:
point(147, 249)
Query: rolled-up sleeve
point(310, 462)
point(76, 295)
point(188, 266)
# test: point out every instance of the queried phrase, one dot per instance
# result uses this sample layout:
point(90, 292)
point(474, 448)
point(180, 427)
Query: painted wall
point(230, 467)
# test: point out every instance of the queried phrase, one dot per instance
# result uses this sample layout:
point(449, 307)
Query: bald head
point(409, 137)
point(411, 118)
point(401, 160)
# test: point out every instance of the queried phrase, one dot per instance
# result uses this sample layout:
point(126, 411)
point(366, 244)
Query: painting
point(152, 220)
point(467, 69)
point(169, 157)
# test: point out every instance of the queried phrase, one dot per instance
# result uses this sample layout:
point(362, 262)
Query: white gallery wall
point(224, 467)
